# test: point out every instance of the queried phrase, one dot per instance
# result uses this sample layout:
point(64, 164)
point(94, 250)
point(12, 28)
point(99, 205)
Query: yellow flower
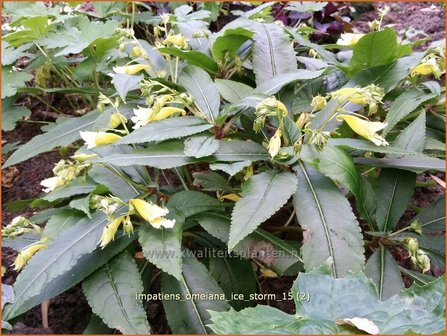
point(271, 106)
point(117, 119)
point(302, 120)
point(108, 233)
point(349, 39)
point(131, 69)
point(370, 95)
point(163, 222)
point(267, 273)
point(354, 95)
point(26, 254)
point(94, 139)
point(145, 115)
point(364, 128)
point(152, 213)
point(275, 144)
point(166, 112)
point(127, 226)
point(177, 40)
point(230, 197)
point(318, 102)
point(137, 52)
point(427, 67)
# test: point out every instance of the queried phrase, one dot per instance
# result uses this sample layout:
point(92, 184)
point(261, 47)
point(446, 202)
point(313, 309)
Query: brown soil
point(69, 312)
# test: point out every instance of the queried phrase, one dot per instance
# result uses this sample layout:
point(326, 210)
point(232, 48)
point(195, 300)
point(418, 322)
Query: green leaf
point(383, 270)
point(273, 84)
point(193, 202)
point(11, 114)
point(60, 221)
point(112, 177)
point(331, 228)
point(416, 164)
point(387, 76)
point(201, 146)
point(367, 146)
point(97, 326)
point(262, 196)
point(330, 301)
point(432, 218)
point(111, 292)
point(78, 186)
point(393, 196)
point(406, 103)
point(189, 314)
point(164, 155)
point(229, 41)
point(32, 29)
point(339, 166)
point(419, 278)
point(82, 204)
point(374, 49)
point(210, 181)
point(67, 260)
point(86, 33)
point(412, 138)
point(326, 55)
point(280, 256)
point(230, 168)
point(124, 83)
point(272, 52)
point(232, 91)
point(238, 150)
point(62, 135)
point(11, 80)
point(234, 276)
point(193, 57)
point(162, 247)
point(171, 128)
point(200, 85)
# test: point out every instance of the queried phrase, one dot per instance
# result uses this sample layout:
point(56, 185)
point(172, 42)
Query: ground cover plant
point(218, 145)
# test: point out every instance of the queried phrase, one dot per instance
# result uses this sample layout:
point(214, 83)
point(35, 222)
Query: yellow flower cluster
point(64, 172)
point(150, 212)
point(158, 111)
point(370, 95)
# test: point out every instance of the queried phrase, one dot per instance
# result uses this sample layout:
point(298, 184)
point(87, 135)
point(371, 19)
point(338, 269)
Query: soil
point(69, 312)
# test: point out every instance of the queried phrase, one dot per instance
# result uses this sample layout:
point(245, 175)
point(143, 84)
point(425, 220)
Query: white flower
point(94, 139)
point(52, 183)
point(143, 116)
point(163, 222)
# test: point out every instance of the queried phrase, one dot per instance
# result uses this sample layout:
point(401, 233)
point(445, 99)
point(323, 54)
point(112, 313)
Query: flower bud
point(415, 226)
point(127, 226)
point(108, 233)
point(303, 119)
point(412, 245)
point(423, 261)
point(116, 119)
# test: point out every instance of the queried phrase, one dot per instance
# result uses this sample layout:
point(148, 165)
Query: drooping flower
point(94, 139)
point(370, 95)
point(230, 197)
point(26, 254)
point(271, 107)
point(275, 144)
point(52, 183)
point(318, 102)
point(152, 213)
point(108, 233)
point(365, 128)
point(131, 69)
point(349, 39)
point(116, 119)
point(145, 115)
point(177, 40)
point(429, 66)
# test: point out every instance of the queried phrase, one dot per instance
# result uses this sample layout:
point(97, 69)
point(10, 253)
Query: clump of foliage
point(223, 141)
